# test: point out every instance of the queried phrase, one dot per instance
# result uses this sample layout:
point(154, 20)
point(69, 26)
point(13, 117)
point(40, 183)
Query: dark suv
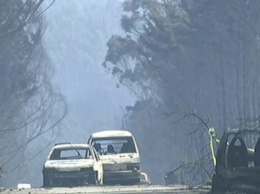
point(238, 162)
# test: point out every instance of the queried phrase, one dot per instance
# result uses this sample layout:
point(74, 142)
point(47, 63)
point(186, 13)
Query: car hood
point(68, 164)
point(120, 158)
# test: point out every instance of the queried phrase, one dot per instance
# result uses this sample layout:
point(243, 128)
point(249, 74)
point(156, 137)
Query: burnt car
point(238, 162)
point(72, 165)
point(119, 155)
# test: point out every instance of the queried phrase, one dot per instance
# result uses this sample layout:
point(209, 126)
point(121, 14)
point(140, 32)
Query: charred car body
point(72, 164)
point(238, 162)
point(119, 155)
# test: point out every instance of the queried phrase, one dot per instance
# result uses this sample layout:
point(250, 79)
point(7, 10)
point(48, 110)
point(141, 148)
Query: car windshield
point(70, 153)
point(114, 145)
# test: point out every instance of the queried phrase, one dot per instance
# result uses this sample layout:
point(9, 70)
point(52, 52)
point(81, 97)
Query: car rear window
point(71, 153)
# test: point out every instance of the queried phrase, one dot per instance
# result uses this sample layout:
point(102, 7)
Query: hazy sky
point(75, 40)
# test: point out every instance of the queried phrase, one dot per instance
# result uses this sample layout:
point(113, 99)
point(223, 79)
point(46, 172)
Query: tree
point(29, 104)
point(193, 57)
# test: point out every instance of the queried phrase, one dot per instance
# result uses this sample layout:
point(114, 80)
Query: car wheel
point(46, 181)
point(131, 182)
point(218, 184)
point(92, 179)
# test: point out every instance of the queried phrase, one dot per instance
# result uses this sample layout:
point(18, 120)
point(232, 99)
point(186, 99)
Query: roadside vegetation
point(192, 64)
point(30, 105)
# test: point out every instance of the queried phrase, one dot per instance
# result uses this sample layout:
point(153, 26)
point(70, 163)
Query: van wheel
point(92, 179)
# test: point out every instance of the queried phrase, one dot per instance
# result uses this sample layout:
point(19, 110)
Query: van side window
point(96, 155)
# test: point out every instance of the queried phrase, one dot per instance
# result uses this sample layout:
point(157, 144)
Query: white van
point(119, 155)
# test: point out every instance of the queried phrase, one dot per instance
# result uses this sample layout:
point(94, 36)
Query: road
point(112, 189)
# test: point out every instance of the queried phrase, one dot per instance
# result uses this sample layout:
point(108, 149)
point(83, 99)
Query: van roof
point(112, 133)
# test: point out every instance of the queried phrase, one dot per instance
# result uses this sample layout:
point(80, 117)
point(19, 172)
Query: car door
point(98, 166)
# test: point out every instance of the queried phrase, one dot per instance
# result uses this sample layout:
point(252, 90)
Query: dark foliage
point(188, 58)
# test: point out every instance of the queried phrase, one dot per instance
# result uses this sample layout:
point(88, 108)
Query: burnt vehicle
point(238, 162)
point(119, 155)
point(72, 165)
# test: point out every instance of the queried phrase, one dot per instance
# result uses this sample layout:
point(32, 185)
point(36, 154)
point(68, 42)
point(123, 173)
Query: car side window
point(90, 154)
point(55, 155)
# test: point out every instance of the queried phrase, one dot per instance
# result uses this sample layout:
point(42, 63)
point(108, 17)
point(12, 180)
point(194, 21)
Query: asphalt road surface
point(144, 189)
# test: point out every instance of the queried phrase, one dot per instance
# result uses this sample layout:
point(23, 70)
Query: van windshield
point(114, 145)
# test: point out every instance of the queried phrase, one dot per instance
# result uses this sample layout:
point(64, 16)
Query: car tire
point(92, 179)
point(46, 181)
point(218, 184)
point(132, 182)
